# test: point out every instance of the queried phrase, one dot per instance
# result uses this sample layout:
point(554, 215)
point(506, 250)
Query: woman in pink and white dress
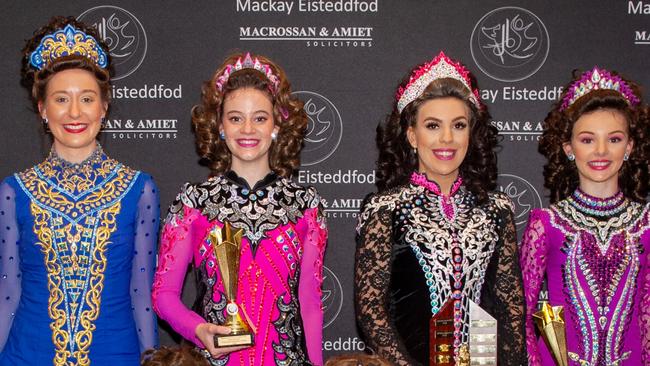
point(250, 131)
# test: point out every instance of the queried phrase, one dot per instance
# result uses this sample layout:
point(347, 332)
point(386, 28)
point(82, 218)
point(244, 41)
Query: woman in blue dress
point(78, 231)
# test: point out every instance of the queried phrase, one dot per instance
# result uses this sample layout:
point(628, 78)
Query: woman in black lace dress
point(437, 231)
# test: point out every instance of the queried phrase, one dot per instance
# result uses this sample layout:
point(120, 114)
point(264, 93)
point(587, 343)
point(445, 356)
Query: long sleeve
point(533, 265)
point(507, 297)
point(644, 309)
point(174, 257)
point(313, 236)
point(143, 268)
point(10, 281)
point(372, 277)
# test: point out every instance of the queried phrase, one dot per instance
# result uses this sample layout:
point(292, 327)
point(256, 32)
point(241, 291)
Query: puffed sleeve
point(313, 236)
point(9, 261)
point(173, 259)
point(372, 277)
point(144, 264)
point(503, 292)
point(533, 265)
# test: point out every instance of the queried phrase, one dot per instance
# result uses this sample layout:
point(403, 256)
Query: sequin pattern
point(75, 209)
point(600, 275)
point(273, 249)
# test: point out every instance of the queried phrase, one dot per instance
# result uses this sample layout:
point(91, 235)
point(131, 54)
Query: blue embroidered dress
point(77, 256)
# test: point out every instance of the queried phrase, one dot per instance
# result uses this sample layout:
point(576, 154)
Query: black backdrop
point(344, 58)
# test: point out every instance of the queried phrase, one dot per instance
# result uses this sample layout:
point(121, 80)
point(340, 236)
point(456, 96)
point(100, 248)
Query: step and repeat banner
point(344, 59)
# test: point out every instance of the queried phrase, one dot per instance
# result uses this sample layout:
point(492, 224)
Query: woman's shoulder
point(384, 200)
point(307, 196)
point(8, 185)
point(501, 200)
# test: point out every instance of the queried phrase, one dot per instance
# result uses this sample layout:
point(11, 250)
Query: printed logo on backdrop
point(127, 40)
point(641, 36)
point(524, 196)
point(519, 130)
point(324, 129)
point(124, 35)
point(509, 44)
point(340, 208)
point(332, 297)
point(355, 36)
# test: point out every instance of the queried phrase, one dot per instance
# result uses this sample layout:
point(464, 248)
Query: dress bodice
point(280, 271)
point(428, 248)
point(83, 238)
point(592, 253)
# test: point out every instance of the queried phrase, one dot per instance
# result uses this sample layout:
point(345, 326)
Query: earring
point(222, 135)
point(415, 150)
point(571, 157)
point(45, 121)
point(274, 135)
point(626, 157)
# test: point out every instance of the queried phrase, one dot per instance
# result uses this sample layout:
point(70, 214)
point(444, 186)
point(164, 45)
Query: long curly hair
point(284, 154)
point(561, 175)
point(397, 160)
point(35, 81)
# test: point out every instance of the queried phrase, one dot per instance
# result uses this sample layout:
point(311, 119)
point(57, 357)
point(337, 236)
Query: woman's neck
point(251, 173)
point(600, 189)
point(74, 155)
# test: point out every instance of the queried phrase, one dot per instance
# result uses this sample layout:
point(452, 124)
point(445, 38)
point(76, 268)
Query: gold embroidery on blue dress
point(75, 208)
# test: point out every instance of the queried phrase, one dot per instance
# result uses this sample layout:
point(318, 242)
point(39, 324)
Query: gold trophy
point(226, 243)
point(550, 322)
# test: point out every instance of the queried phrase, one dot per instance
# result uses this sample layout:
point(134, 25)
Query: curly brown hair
point(36, 81)
point(561, 175)
point(167, 356)
point(397, 160)
point(284, 154)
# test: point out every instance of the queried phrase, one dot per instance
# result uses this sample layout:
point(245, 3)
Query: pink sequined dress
point(280, 271)
point(594, 255)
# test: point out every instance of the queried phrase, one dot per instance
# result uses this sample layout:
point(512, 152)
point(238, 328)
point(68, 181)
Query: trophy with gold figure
point(550, 322)
point(226, 243)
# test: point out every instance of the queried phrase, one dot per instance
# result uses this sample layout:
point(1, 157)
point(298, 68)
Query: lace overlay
point(411, 225)
point(372, 277)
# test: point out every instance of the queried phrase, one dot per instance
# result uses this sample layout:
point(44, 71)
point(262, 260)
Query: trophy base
point(233, 340)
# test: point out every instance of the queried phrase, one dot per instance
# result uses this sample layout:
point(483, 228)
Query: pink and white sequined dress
point(280, 272)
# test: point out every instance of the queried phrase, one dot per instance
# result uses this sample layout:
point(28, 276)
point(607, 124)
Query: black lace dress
point(405, 269)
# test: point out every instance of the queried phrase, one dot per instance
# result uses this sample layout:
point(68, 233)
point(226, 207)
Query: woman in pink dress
point(592, 243)
point(249, 129)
